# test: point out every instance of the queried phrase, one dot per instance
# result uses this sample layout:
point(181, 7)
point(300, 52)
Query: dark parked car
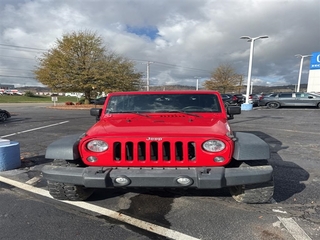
point(227, 99)
point(238, 98)
point(232, 99)
point(299, 99)
point(99, 101)
point(253, 99)
point(4, 115)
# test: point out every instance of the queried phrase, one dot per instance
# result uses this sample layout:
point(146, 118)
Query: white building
point(314, 73)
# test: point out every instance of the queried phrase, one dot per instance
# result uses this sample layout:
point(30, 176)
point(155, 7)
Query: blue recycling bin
point(9, 156)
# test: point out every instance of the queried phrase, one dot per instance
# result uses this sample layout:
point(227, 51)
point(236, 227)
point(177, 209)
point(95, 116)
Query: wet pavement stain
point(151, 207)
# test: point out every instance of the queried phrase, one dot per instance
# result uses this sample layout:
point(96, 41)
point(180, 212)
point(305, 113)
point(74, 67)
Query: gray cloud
point(194, 37)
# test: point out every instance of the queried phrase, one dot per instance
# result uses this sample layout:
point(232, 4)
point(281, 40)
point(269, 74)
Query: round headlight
point(97, 146)
point(213, 146)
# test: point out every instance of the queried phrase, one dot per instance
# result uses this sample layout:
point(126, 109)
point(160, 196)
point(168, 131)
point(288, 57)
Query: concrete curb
point(246, 106)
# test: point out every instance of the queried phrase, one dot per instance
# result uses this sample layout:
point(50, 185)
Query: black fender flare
point(64, 148)
point(250, 147)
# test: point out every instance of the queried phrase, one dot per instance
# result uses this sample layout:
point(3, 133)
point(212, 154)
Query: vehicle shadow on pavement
point(32, 161)
point(287, 175)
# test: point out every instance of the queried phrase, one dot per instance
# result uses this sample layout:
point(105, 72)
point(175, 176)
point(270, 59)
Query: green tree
point(223, 79)
point(81, 63)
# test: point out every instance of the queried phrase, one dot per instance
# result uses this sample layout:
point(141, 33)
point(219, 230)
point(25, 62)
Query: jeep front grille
point(154, 151)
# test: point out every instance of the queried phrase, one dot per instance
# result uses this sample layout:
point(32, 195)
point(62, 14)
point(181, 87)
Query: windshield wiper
point(134, 112)
point(180, 111)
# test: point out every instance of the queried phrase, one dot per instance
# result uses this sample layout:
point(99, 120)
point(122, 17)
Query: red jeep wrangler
point(167, 139)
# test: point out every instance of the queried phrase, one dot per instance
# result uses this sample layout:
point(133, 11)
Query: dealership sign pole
point(314, 73)
point(300, 71)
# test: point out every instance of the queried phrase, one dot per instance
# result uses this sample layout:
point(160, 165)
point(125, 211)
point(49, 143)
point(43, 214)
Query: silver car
point(290, 99)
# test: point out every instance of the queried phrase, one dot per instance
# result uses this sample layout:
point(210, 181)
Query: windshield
point(163, 103)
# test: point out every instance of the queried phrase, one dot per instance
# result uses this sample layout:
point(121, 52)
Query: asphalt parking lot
point(292, 134)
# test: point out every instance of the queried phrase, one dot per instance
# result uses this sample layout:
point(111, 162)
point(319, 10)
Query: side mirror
point(232, 110)
point(96, 112)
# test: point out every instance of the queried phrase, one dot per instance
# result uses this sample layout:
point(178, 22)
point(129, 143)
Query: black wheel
point(226, 105)
point(66, 191)
point(273, 105)
point(3, 117)
point(253, 193)
point(318, 105)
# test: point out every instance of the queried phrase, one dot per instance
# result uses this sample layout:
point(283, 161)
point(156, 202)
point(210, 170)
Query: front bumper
point(202, 177)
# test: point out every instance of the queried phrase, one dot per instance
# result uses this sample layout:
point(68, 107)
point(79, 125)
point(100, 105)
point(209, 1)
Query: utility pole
point(240, 84)
point(148, 70)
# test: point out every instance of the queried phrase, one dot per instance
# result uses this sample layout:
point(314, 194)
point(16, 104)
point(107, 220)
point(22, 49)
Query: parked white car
point(13, 92)
point(74, 94)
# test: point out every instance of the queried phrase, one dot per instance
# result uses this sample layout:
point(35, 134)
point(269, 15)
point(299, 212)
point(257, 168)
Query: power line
point(16, 76)
point(161, 63)
point(17, 57)
point(22, 50)
point(15, 46)
point(15, 69)
point(173, 65)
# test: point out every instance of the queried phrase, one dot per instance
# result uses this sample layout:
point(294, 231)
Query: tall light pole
point(197, 84)
point(300, 71)
point(250, 39)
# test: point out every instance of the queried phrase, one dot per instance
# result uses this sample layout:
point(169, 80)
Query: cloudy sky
point(183, 40)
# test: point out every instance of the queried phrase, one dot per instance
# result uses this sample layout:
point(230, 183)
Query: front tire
point(3, 117)
point(67, 191)
point(253, 193)
point(273, 105)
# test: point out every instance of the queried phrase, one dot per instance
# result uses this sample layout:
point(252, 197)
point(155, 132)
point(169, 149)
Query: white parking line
point(166, 232)
point(34, 129)
point(294, 229)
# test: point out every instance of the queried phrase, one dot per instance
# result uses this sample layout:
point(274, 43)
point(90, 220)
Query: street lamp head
point(245, 37)
point(250, 39)
point(302, 56)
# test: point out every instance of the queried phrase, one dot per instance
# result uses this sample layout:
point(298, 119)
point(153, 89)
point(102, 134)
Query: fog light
point(218, 159)
point(92, 159)
point(185, 181)
point(122, 180)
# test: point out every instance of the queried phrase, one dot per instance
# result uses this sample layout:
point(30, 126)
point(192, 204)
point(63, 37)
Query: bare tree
point(223, 79)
